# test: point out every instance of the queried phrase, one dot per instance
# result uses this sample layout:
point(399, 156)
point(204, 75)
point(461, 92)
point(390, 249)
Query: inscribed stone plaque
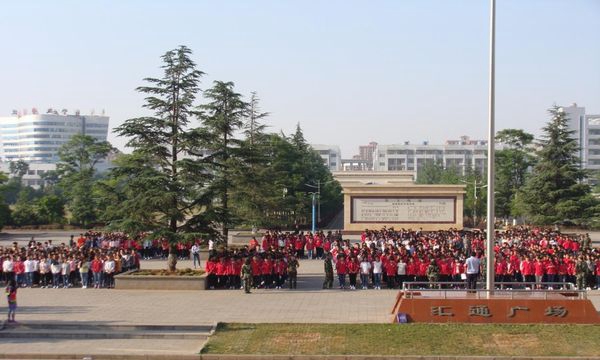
point(403, 209)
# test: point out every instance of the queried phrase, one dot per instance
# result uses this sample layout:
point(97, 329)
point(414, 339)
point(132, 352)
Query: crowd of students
point(91, 260)
point(522, 255)
point(385, 257)
point(531, 257)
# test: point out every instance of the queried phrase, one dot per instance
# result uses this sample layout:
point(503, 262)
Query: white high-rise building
point(593, 142)
point(35, 138)
point(587, 133)
point(460, 154)
point(331, 155)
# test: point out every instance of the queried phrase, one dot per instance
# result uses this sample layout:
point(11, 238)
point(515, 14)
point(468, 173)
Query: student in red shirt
point(253, 244)
point(267, 273)
point(422, 270)
point(551, 270)
point(390, 268)
point(221, 272)
point(96, 267)
point(310, 246)
point(299, 247)
point(211, 271)
point(231, 274)
point(353, 268)
point(500, 269)
point(597, 272)
point(526, 270)
point(237, 269)
point(341, 269)
point(256, 265)
point(319, 246)
point(538, 271)
point(457, 270)
point(19, 270)
point(445, 266)
point(562, 271)
point(279, 268)
point(411, 270)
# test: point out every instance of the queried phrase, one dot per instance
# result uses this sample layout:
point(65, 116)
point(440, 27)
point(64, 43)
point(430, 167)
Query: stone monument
point(392, 199)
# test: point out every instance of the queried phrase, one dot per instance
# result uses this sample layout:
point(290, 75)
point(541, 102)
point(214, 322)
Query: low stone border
point(127, 281)
point(385, 357)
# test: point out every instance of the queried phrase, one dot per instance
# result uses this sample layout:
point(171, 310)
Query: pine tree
point(77, 169)
point(251, 178)
point(556, 191)
point(512, 163)
point(163, 181)
point(222, 117)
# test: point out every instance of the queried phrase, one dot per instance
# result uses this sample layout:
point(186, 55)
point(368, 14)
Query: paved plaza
point(308, 303)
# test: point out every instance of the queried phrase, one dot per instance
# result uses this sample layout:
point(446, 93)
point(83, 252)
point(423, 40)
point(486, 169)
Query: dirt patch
point(511, 343)
point(295, 338)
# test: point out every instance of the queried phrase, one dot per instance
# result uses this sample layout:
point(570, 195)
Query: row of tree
point(204, 168)
point(193, 169)
point(540, 182)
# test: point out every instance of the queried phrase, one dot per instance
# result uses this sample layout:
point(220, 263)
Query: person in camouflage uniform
point(587, 242)
point(433, 273)
point(292, 268)
point(328, 283)
point(247, 276)
point(581, 270)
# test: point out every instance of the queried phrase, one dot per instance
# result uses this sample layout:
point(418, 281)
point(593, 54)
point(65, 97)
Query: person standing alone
point(328, 283)
point(196, 254)
point(472, 265)
point(247, 275)
point(11, 296)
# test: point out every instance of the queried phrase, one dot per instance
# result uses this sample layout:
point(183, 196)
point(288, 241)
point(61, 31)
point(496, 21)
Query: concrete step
point(35, 325)
point(83, 330)
point(98, 334)
point(96, 349)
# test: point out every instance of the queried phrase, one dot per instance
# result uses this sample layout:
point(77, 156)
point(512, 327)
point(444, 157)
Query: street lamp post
point(318, 187)
point(313, 211)
point(475, 185)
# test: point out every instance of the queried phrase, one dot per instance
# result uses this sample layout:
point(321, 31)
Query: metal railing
point(452, 289)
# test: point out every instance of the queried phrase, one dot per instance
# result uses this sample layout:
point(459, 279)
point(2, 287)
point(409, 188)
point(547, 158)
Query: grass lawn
point(405, 339)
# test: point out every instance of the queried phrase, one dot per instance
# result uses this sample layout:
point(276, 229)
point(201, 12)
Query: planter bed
point(132, 281)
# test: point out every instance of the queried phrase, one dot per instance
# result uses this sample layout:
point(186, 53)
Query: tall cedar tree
point(222, 117)
point(252, 180)
point(4, 209)
point(512, 163)
point(555, 190)
point(163, 179)
point(77, 169)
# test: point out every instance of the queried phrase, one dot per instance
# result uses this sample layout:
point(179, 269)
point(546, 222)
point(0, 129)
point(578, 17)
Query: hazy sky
point(349, 72)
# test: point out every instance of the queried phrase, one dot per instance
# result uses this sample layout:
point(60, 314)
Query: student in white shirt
point(401, 272)
point(365, 272)
point(377, 270)
point(29, 269)
point(109, 272)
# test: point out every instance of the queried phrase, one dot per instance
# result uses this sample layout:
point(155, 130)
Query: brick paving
point(308, 303)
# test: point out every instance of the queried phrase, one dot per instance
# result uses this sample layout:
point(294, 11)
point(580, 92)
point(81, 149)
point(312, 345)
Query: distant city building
point(587, 133)
point(593, 141)
point(331, 155)
point(365, 152)
point(35, 138)
point(460, 154)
